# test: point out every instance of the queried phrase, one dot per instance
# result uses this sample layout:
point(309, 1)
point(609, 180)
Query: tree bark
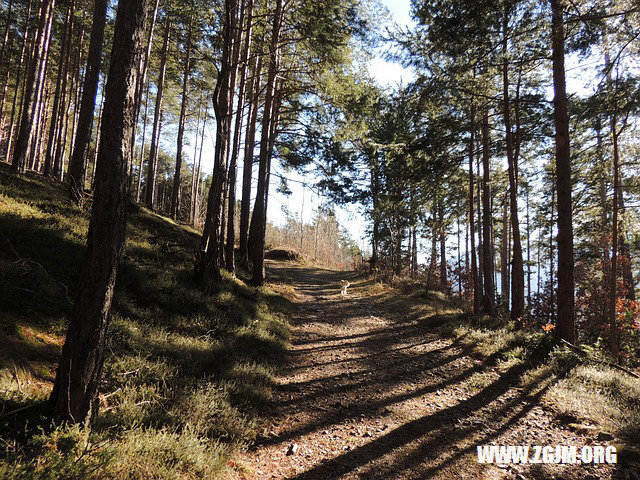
point(552, 260)
point(5, 82)
point(16, 89)
point(88, 103)
point(230, 256)
point(444, 285)
point(477, 296)
point(249, 147)
point(175, 194)
point(193, 168)
point(40, 122)
point(269, 115)
point(565, 328)
point(61, 114)
point(152, 167)
point(627, 273)
point(613, 277)
point(64, 55)
point(527, 187)
point(142, 79)
point(142, 144)
point(604, 214)
point(517, 267)
point(625, 251)
point(207, 269)
point(478, 205)
point(198, 171)
point(504, 254)
point(76, 102)
point(39, 92)
point(78, 376)
point(30, 98)
point(488, 298)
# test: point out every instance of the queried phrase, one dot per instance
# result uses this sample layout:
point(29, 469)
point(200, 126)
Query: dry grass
point(186, 378)
point(584, 394)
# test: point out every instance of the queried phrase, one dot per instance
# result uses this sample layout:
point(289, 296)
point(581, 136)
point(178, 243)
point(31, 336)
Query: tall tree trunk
point(398, 251)
point(175, 194)
point(55, 112)
point(142, 143)
point(458, 250)
point(40, 122)
point(604, 215)
point(39, 90)
point(5, 82)
point(226, 219)
point(375, 204)
point(62, 115)
point(488, 299)
point(481, 288)
point(207, 271)
point(565, 328)
point(627, 275)
point(444, 284)
point(78, 376)
point(269, 114)
point(434, 251)
point(552, 258)
point(517, 267)
point(613, 277)
point(16, 90)
point(249, 147)
point(88, 102)
point(625, 252)
point(152, 167)
point(193, 168)
point(30, 98)
point(504, 254)
point(30, 52)
point(237, 135)
point(98, 132)
point(467, 259)
point(477, 296)
point(197, 180)
point(142, 79)
point(44, 118)
point(78, 91)
point(414, 251)
point(527, 187)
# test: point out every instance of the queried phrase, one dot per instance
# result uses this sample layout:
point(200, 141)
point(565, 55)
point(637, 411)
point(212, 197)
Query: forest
point(163, 316)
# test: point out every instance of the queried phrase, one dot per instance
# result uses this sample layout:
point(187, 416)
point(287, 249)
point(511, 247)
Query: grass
point(585, 394)
point(186, 378)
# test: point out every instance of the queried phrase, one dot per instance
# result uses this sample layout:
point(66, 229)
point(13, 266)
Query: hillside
point(399, 383)
point(186, 375)
point(369, 386)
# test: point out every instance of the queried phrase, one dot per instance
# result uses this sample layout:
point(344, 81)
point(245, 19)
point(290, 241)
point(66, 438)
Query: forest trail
point(374, 390)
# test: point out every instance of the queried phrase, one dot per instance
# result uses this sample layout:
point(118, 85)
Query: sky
point(303, 202)
point(387, 74)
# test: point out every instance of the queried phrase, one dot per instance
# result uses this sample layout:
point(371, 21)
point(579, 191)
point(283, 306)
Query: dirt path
point(375, 392)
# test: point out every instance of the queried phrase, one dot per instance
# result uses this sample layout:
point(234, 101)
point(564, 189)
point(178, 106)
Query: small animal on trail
point(345, 284)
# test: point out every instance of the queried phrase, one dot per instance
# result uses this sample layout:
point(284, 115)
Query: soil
point(374, 390)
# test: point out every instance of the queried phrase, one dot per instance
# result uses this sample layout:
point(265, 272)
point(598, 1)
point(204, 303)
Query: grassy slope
point(186, 375)
point(585, 394)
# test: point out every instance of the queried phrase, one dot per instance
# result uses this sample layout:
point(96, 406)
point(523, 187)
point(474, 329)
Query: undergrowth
point(187, 375)
point(584, 392)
